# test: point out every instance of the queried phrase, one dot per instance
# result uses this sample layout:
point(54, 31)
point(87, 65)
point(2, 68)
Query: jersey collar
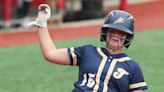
point(121, 55)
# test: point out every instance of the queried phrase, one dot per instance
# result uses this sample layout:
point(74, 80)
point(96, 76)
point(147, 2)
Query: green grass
point(23, 68)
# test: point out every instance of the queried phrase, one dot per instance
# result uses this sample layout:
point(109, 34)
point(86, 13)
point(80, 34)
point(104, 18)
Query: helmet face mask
point(119, 20)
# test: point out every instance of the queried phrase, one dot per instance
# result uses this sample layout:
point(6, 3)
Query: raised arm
point(49, 50)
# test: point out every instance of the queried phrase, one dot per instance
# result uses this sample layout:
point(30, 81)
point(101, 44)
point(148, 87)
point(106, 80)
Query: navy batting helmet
point(120, 20)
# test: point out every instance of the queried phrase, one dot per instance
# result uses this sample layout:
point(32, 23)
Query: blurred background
point(18, 13)
point(73, 23)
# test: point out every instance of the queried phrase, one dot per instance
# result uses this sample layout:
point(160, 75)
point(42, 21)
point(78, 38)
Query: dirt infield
point(147, 16)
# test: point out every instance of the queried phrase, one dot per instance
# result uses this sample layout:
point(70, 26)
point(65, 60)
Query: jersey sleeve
point(137, 80)
point(75, 54)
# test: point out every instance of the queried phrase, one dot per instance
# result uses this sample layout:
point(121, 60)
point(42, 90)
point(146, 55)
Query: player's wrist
point(41, 23)
point(38, 23)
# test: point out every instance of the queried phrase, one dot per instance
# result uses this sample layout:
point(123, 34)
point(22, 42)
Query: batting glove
point(43, 15)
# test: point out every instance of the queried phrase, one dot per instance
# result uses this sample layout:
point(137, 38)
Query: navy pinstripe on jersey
point(100, 71)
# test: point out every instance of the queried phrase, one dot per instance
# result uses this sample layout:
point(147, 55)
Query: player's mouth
point(115, 39)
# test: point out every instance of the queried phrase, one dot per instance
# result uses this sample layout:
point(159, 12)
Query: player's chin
point(115, 47)
point(114, 44)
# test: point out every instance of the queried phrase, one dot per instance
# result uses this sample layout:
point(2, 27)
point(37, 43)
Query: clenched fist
point(44, 14)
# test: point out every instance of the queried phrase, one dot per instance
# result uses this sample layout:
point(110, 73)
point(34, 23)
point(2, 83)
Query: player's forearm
point(45, 40)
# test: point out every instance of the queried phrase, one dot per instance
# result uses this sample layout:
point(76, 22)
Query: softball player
point(100, 69)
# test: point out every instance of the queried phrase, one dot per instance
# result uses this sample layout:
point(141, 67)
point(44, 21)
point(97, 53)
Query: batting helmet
point(120, 20)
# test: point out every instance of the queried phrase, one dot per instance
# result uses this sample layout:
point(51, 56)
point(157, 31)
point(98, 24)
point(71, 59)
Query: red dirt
point(147, 16)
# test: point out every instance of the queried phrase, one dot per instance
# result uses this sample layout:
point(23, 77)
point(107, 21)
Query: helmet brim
point(118, 27)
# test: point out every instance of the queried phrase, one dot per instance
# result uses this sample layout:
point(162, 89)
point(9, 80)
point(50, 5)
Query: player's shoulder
point(88, 46)
point(84, 48)
point(133, 63)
